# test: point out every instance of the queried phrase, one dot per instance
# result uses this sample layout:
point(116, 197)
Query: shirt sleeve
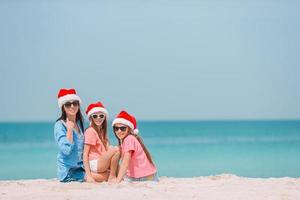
point(60, 136)
point(129, 144)
point(89, 137)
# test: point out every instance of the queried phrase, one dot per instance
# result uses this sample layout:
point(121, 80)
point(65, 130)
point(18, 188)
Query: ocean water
point(179, 148)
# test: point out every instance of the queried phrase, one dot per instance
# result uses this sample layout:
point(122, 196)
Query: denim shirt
point(69, 154)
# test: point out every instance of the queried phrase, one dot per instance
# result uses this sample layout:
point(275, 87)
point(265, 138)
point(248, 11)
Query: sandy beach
point(223, 186)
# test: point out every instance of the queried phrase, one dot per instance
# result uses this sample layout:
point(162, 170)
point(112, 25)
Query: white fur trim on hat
point(136, 131)
point(66, 98)
point(123, 121)
point(97, 109)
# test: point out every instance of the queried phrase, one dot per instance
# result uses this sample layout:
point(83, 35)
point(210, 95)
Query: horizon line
point(170, 120)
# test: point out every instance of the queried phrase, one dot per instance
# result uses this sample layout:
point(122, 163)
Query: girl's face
point(71, 108)
point(121, 130)
point(98, 118)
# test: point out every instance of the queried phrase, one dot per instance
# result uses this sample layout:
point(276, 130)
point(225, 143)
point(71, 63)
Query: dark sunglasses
point(101, 116)
point(74, 103)
point(122, 128)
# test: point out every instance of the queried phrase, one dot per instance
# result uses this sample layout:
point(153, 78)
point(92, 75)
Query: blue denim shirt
point(69, 154)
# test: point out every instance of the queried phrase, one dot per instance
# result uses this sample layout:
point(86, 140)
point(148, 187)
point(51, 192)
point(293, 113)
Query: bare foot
point(112, 179)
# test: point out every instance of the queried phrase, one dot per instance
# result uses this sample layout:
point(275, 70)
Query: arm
point(124, 166)
point(86, 163)
point(70, 127)
point(63, 143)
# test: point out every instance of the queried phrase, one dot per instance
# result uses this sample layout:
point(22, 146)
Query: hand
point(90, 179)
point(70, 124)
point(118, 181)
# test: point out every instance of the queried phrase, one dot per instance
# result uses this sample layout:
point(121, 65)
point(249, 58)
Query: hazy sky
point(159, 59)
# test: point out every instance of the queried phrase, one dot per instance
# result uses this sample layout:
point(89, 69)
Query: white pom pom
point(135, 131)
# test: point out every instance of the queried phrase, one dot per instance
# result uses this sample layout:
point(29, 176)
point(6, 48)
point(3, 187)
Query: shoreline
point(223, 186)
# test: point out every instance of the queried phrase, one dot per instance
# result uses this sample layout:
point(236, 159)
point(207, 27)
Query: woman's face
point(98, 118)
point(71, 108)
point(121, 130)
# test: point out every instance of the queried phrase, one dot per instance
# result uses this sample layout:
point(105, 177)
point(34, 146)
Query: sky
point(159, 59)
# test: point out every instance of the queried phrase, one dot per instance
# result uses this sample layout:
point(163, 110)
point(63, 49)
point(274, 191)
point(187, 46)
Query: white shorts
point(94, 165)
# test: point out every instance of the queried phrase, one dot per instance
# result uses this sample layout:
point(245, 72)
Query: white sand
point(223, 186)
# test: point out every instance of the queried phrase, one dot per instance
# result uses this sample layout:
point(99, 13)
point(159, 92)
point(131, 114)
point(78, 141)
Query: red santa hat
point(66, 95)
point(95, 107)
point(129, 120)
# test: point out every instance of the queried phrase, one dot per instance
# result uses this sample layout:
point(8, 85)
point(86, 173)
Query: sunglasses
point(121, 128)
point(101, 116)
point(69, 104)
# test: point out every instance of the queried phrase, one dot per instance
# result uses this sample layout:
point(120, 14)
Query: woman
point(99, 156)
point(68, 134)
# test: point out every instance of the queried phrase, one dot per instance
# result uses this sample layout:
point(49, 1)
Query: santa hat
point(129, 120)
point(95, 107)
point(65, 95)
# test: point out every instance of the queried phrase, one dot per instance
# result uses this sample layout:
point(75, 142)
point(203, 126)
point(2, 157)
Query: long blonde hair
point(103, 129)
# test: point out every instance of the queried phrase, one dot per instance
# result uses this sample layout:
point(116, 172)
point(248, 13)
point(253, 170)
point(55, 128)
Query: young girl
point(98, 155)
point(68, 134)
point(137, 163)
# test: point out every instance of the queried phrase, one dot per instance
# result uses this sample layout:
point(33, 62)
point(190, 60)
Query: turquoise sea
point(179, 148)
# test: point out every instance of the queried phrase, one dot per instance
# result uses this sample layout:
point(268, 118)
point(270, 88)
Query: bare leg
point(104, 161)
point(113, 167)
point(100, 177)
